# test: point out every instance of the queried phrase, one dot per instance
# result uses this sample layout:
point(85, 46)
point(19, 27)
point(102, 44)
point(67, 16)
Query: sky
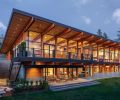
point(87, 15)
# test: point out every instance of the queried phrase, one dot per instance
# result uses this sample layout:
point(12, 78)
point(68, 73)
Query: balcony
point(35, 50)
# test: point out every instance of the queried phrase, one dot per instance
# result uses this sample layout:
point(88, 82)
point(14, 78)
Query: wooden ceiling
point(21, 21)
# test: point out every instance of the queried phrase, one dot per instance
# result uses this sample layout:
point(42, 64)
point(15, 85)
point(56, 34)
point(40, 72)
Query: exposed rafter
point(114, 44)
point(26, 27)
point(84, 38)
point(75, 36)
point(65, 31)
point(101, 42)
point(45, 31)
point(93, 41)
point(107, 43)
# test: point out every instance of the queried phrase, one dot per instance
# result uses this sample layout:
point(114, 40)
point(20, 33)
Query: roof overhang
point(21, 21)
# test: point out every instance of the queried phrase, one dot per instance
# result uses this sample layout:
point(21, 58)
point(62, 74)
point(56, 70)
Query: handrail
point(46, 53)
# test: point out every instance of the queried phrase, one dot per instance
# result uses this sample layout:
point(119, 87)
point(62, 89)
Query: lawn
point(109, 89)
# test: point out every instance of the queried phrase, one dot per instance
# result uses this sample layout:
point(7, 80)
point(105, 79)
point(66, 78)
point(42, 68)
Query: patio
point(67, 82)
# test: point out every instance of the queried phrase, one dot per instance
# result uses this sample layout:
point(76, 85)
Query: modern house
point(42, 48)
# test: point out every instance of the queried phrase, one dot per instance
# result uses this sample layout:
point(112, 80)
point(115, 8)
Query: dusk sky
point(88, 15)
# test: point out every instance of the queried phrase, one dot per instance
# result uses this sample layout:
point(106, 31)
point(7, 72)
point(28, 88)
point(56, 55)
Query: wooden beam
point(100, 42)
point(45, 31)
point(116, 46)
point(59, 34)
point(61, 42)
point(75, 36)
point(94, 40)
point(29, 24)
point(64, 32)
point(26, 27)
point(112, 45)
point(84, 38)
point(107, 43)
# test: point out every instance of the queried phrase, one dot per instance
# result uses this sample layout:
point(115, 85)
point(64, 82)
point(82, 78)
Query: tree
point(118, 37)
point(99, 32)
point(105, 35)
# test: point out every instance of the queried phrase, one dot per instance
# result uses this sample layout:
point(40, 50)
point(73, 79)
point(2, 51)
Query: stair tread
point(65, 87)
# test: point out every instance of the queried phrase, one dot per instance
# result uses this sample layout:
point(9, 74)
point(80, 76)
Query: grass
point(109, 89)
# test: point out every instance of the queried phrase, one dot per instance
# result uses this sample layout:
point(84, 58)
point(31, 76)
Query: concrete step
point(72, 86)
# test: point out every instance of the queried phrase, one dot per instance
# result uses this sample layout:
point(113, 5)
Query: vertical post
point(42, 45)
point(109, 55)
point(76, 71)
point(77, 50)
point(82, 57)
point(28, 40)
point(91, 51)
point(33, 52)
point(43, 50)
point(72, 72)
point(114, 55)
point(45, 73)
point(97, 53)
point(49, 51)
point(103, 54)
point(53, 72)
point(118, 56)
point(55, 51)
point(68, 48)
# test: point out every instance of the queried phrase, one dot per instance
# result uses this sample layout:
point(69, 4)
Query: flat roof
point(21, 21)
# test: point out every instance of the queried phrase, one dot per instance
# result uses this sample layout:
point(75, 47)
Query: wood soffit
point(22, 21)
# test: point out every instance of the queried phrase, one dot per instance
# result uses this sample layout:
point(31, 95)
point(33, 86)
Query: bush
point(22, 86)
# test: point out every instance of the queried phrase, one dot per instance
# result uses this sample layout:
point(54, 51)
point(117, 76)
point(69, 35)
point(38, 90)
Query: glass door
point(48, 50)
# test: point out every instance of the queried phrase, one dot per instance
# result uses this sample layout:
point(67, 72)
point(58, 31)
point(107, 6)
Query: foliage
point(105, 35)
point(109, 89)
point(22, 85)
point(100, 33)
point(118, 37)
point(23, 45)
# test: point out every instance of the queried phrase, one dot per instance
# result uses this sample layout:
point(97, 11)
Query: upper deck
point(33, 37)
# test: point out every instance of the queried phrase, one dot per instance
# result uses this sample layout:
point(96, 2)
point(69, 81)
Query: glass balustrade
point(34, 50)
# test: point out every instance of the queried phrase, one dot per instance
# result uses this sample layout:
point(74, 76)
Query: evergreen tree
point(105, 35)
point(118, 37)
point(99, 32)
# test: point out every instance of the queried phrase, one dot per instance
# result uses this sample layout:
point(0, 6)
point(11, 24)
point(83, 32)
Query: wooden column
point(77, 49)
point(104, 54)
point(76, 71)
point(45, 74)
point(82, 50)
point(42, 51)
point(55, 47)
point(119, 55)
point(86, 71)
point(114, 54)
point(109, 55)
point(67, 46)
point(91, 51)
point(97, 53)
point(92, 70)
point(28, 39)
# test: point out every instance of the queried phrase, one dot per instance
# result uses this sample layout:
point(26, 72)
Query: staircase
point(4, 70)
point(72, 86)
point(4, 67)
point(8, 68)
point(14, 70)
